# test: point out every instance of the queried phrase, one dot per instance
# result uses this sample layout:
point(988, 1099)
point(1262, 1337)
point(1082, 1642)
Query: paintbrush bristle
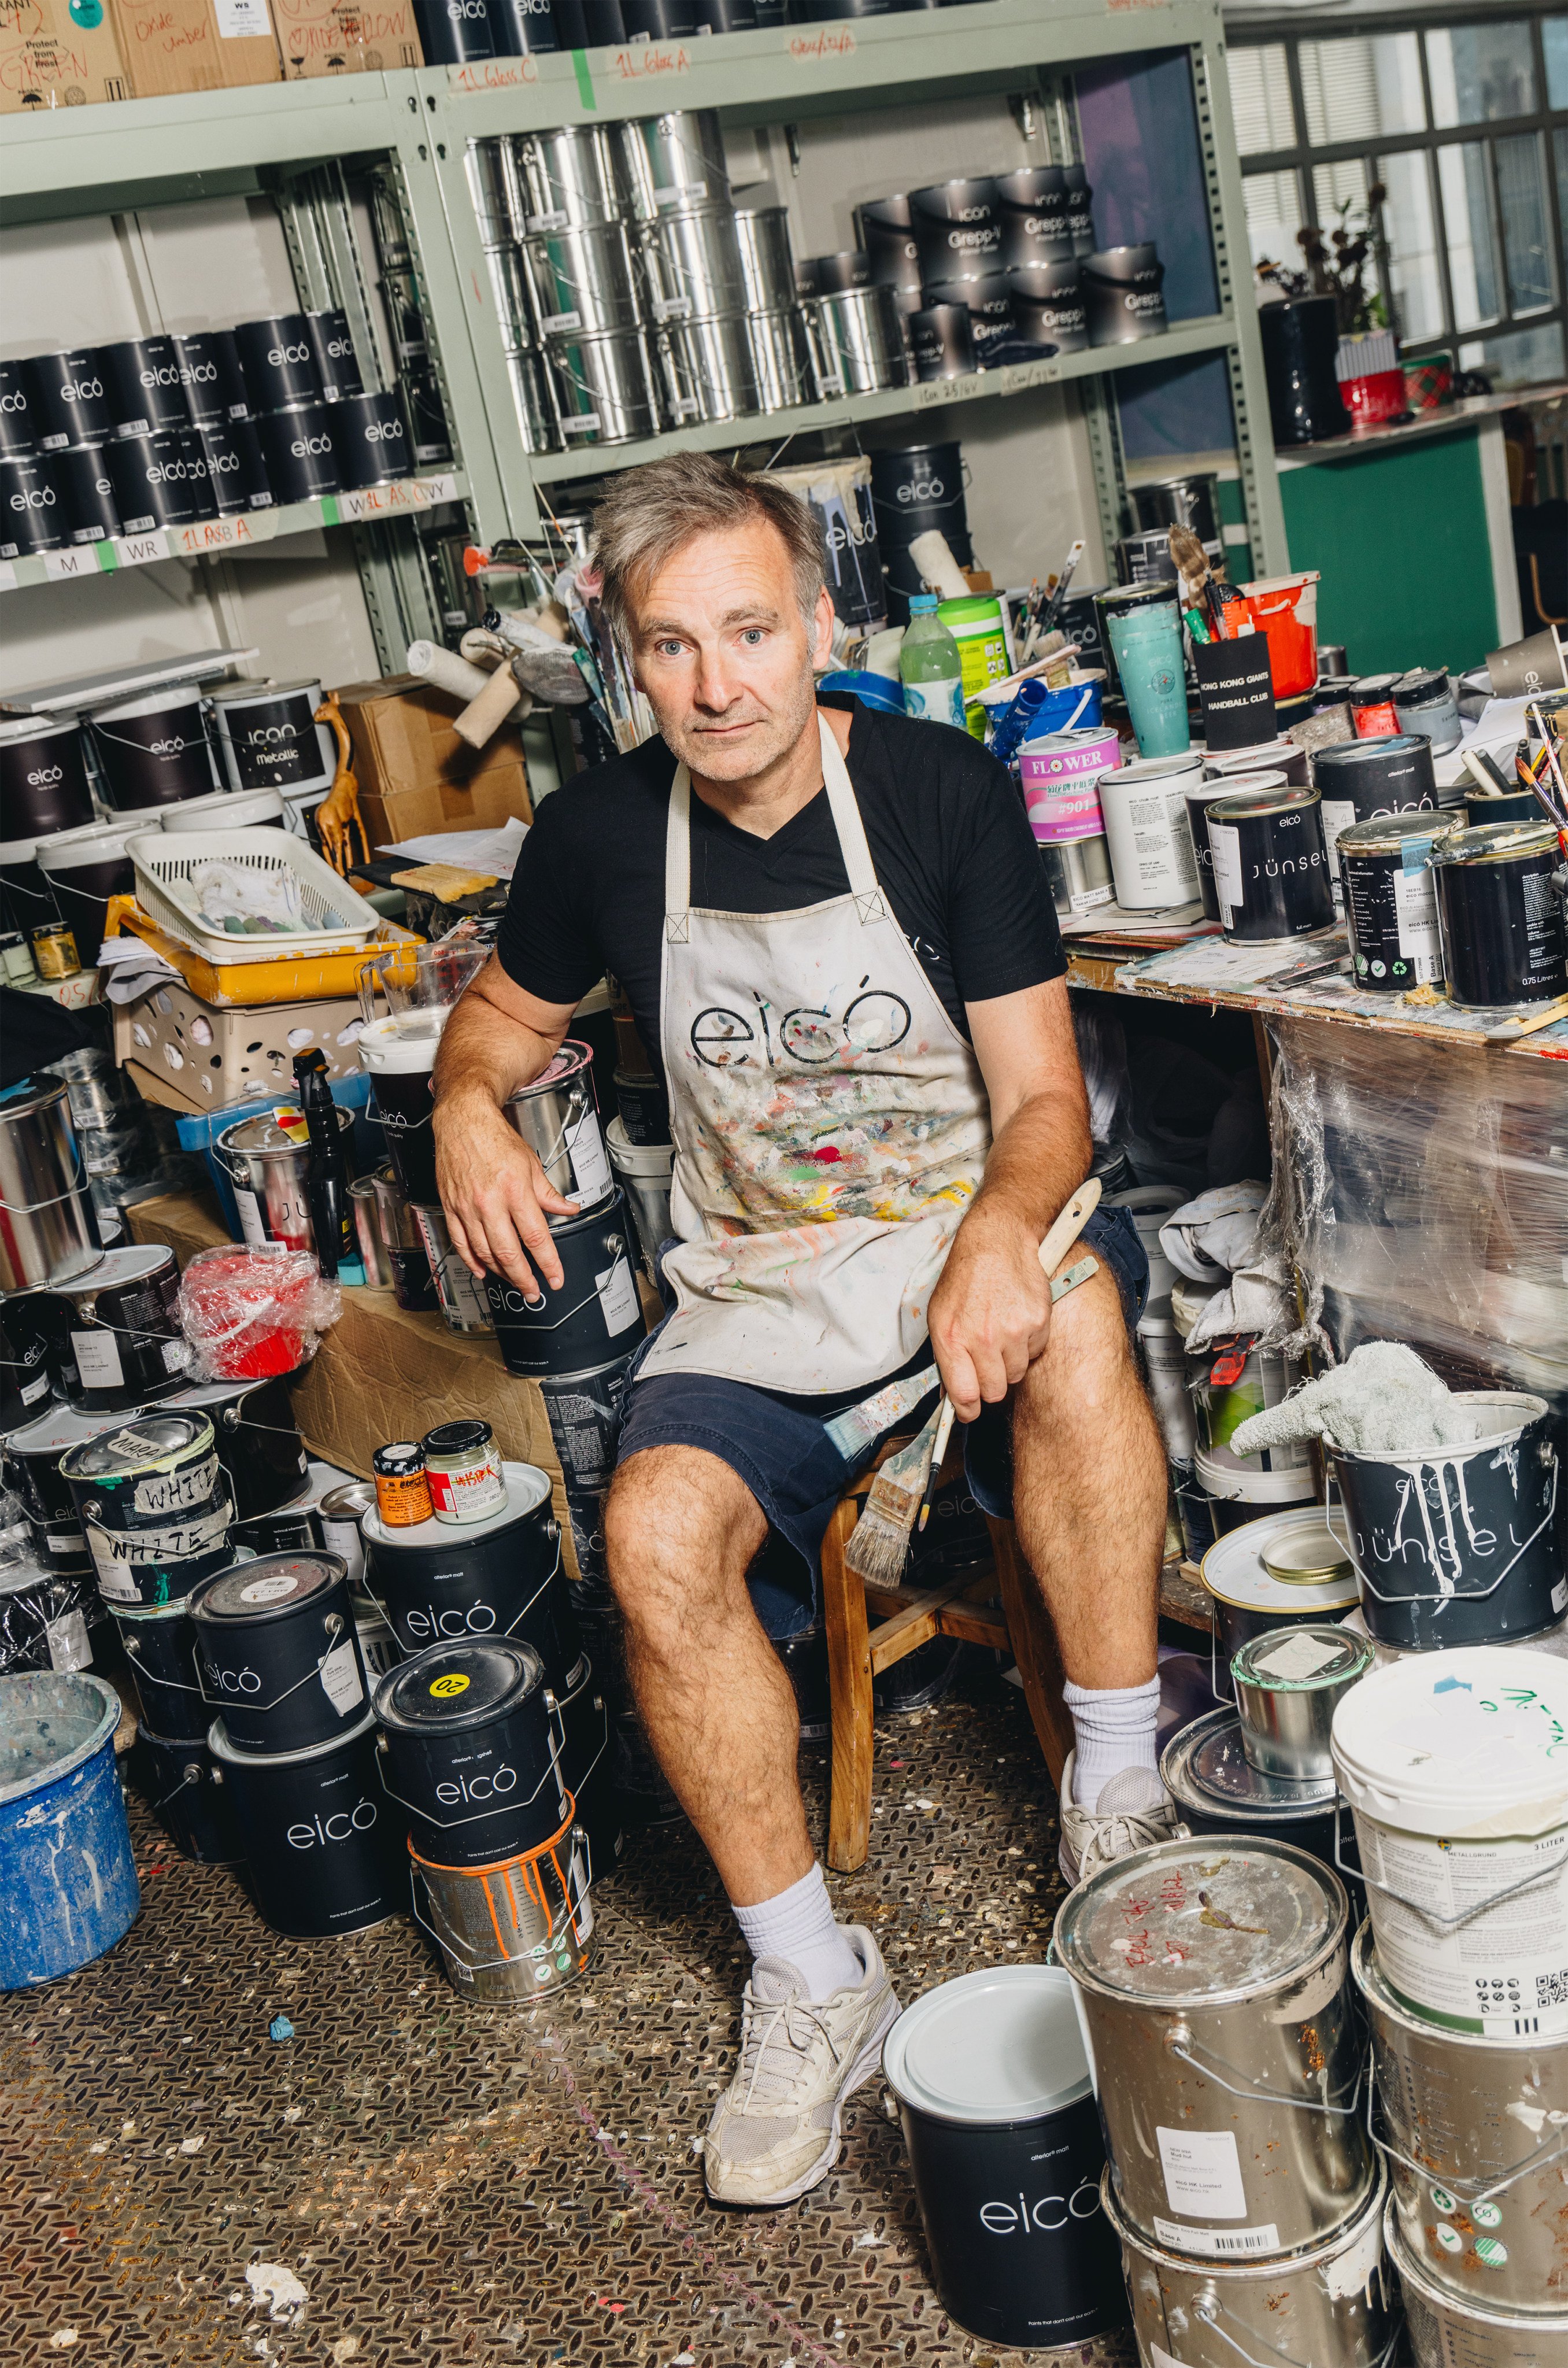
point(1190, 557)
point(878, 1544)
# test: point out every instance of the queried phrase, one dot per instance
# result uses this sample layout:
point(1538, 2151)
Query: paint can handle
point(1465, 2191)
point(1440, 1923)
point(1179, 2043)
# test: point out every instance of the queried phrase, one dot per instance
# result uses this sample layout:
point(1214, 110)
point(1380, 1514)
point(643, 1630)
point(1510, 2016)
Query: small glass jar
point(463, 1466)
point(403, 1490)
point(17, 965)
point(54, 950)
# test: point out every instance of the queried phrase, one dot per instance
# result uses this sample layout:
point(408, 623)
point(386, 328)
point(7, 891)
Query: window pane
point(1560, 146)
point(1527, 246)
point(1355, 89)
point(1466, 189)
point(1260, 99)
point(1555, 41)
point(1412, 238)
point(1273, 216)
point(1481, 74)
point(1526, 359)
point(1335, 187)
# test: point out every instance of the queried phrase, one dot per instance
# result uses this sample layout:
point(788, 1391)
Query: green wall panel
point(1399, 535)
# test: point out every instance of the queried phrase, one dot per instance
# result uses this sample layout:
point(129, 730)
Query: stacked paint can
point(966, 315)
point(917, 489)
point(782, 365)
point(1450, 1763)
point(1222, 2039)
point(677, 182)
point(576, 201)
point(1060, 770)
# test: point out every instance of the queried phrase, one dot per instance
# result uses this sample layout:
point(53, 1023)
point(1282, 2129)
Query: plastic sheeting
point(249, 1313)
point(1424, 1195)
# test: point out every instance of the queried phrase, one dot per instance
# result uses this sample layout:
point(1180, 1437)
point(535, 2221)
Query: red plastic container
point(1372, 400)
point(250, 1314)
point(1285, 608)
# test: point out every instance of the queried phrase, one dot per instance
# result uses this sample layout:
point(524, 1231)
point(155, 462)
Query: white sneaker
point(1133, 1810)
point(776, 2129)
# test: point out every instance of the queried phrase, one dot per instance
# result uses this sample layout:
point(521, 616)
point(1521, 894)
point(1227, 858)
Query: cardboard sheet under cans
point(1216, 2003)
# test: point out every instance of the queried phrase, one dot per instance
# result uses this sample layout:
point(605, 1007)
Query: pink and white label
point(1064, 810)
point(1059, 774)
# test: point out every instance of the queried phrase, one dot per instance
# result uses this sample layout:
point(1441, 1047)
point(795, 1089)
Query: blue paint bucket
point(68, 1888)
point(1076, 707)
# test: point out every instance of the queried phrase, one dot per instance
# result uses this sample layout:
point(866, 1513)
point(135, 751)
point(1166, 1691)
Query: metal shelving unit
point(276, 139)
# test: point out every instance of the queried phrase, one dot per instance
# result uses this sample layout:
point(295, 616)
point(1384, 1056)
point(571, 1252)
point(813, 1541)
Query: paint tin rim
point(911, 2031)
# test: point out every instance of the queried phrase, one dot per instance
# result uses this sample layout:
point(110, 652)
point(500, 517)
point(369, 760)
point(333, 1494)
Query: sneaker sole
point(859, 2072)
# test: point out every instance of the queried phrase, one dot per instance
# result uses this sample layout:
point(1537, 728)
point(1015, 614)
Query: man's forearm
point(487, 1054)
point(1036, 1162)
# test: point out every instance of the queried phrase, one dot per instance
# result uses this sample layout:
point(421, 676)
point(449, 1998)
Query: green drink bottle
point(929, 666)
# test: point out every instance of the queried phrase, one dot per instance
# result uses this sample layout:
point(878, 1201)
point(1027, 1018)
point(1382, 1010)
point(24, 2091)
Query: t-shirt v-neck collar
point(801, 825)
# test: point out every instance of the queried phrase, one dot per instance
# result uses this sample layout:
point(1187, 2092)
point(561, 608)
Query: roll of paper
point(447, 671)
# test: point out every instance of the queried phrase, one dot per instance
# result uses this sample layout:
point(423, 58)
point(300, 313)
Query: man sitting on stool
point(834, 926)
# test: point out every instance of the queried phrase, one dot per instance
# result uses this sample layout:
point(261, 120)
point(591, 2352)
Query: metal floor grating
point(489, 2187)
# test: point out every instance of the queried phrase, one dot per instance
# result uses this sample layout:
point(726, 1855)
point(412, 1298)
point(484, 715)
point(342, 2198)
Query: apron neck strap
point(847, 822)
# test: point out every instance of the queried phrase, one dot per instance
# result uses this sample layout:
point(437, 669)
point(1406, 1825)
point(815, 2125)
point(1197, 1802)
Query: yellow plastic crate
point(307, 978)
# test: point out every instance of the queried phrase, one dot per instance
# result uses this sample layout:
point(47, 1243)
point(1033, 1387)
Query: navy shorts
point(778, 1444)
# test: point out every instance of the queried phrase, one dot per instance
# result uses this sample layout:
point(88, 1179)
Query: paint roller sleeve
point(948, 832)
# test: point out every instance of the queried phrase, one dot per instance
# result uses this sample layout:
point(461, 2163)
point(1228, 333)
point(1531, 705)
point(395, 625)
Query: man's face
point(723, 655)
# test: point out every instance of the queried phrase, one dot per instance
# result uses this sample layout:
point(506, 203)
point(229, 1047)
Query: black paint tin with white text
point(320, 1845)
point(300, 452)
point(1500, 916)
point(279, 1652)
point(1391, 910)
point(469, 1751)
point(1271, 873)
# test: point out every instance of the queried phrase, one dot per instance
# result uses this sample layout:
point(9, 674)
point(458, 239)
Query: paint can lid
point(572, 1059)
point(456, 1686)
point(1303, 1659)
point(1421, 684)
point(527, 1489)
point(1371, 690)
point(1206, 1767)
point(272, 1587)
point(1315, 1573)
point(1370, 755)
point(1460, 1744)
point(138, 1262)
point(1385, 834)
point(1170, 1927)
point(54, 1431)
point(1246, 806)
point(1490, 842)
point(992, 2047)
point(140, 1444)
point(1305, 1551)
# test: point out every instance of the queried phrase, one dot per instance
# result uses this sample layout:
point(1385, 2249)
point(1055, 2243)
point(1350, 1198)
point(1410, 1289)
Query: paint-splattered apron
point(831, 1127)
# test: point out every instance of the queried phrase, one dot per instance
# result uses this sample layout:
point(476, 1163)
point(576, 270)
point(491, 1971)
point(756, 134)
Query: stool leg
point(850, 1682)
point(1034, 1648)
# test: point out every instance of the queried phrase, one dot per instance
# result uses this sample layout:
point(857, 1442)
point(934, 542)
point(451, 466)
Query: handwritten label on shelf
point(644, 59)
point(223, 534)
point(946, 390)
point(1017, 377)
point(494, 73)
point(822, 48)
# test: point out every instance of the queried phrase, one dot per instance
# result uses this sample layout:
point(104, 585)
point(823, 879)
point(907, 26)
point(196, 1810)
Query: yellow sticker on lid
point(444, 1688)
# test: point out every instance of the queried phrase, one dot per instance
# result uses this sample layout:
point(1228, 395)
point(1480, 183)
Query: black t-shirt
point(944, 823)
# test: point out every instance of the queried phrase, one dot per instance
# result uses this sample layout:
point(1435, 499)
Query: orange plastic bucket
point(1285, 608)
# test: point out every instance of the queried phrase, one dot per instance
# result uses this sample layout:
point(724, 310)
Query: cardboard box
point(47, 59)
point(175, 45)
point(415, 775)
point(338, 37)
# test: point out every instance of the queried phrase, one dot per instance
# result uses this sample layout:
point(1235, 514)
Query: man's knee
point(680, 1528)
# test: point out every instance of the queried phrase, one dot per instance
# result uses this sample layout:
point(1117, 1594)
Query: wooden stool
point(911, 1616)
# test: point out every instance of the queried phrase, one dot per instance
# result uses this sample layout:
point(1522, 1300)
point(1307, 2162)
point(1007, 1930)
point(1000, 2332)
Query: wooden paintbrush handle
point(1069, 1224)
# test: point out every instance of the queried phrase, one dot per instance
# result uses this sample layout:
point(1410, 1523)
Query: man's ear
point(821, 628)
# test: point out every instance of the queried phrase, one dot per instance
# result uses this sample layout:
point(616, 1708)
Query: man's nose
point(714, 688)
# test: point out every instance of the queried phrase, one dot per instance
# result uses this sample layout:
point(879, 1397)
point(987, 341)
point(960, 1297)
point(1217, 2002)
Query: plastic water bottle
point(929, 666)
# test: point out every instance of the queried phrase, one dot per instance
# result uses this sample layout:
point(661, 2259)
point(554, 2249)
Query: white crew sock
point(798, 1925)
point(1113, 1728)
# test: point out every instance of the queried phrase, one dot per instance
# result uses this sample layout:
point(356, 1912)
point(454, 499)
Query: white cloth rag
point(1213, 1236)
point(1381, 1401)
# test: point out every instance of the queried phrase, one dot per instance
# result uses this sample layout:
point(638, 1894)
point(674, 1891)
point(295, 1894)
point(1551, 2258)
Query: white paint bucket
point(1149, 1205)
point(1455, 1769)
point(1152, 856)
point(1448, 2331)
point(1163, 1356)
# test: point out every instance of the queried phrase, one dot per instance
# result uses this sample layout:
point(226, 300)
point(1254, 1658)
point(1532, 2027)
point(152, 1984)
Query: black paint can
point(43, 776)
point(1123, 295)
point(159, 480)
point(32, 1458)
point(524, 28)
point(834, 275)
point(294, 1529)
point(322, 1853)
point(1359, 780)
point(20, 429)
point(372, 439)
point(455, 32)
point(277, 1651)
point(175, 1776)
point(997, 2105)
point(595, 1316)
point(1483, 806)
point(146, 385)
point(1236, 690)
point(1391, 911)
point(468, 1752)
point(278, 362)
point(142, 1556)
point(1271, 873)
point(160, 1645)
point(214, 383)
point(267, 736)
point(400, 1060)
point(1033, 212)
point(941, 337)
point(24, 1362)
point(337, 364)
point(917, 488)
point(257, 1441)
point(124, 1333)
point(437, 1583)
point(235, 466)
point(74, 404)
point(1080, 209)
point(587, 1765)
point(153, 751)
point(1300, 339)
point(1048, 306)
point(1499, 915)
point(33, 515)
point(644, 1107)
point(87, 491)
point(957, 229)
point(989, 302)
point(300, 453)
point(51, 1619)
point(882, 228)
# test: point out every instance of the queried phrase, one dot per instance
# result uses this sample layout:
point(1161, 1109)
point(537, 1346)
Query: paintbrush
point(878, 1544)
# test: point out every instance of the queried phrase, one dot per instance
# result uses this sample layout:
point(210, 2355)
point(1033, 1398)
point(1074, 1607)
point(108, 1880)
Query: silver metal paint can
point(603, 390)
point(1475, 2132)
point(781, 360)
point(860, 341)
point(1289, 1683)
point(46, 1224)
point(1445, 2333)
point(674, 160)
point(516, 1931)
point(1214, 1991)
point(693, 262)
point(582, 282)
point(1330, 2304)
point(708, 369)
point(768, 264)
point(557, 1117)
point(534, 412)
point(567, 175)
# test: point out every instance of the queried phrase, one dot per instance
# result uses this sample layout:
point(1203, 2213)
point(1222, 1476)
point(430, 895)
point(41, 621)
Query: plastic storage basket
point(337, 918)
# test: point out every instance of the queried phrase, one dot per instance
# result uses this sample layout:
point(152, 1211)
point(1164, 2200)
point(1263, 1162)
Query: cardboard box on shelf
point(177, 45)
point(415, 776)
point(47, 59)
point(321, 37)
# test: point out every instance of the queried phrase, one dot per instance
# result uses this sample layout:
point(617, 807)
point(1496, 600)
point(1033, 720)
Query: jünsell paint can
point(1452, 1764)
point(1391, 905)
point(1152, 856)
point(1499, 917)
point(597, 1314)
point(1333, 2302)
point(123, 1332)
point(1199, 1975)
point(1455, 1546)
point(159, 1642)
point(279, 1655)
point(268, 738)
point(300, 448)
point(322, 1850)
point(499, 1578)
point(1476, 2135)
point(153, 1505)
point(1271, 874)
point(1200, 796)
point(996, 2106)
point(468, 1750)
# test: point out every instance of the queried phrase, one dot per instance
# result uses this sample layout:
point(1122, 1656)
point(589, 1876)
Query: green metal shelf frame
point(154, 152)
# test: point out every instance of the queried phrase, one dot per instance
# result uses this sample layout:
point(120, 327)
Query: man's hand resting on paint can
point(991, 1311)
point(497, 1198)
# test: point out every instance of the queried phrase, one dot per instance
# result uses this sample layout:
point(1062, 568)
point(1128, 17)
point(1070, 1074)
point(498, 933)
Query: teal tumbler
point(1146, 643)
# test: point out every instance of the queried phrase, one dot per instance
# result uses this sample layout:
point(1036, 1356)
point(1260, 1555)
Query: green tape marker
point(107, 557)
point(585, 79)
point(329, 510)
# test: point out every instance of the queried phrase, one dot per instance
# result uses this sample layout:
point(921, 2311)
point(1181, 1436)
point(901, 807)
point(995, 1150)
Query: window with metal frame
point(1460, 120)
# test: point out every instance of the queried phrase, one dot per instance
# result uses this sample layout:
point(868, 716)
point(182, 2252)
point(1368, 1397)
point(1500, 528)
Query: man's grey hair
point(651, 513)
